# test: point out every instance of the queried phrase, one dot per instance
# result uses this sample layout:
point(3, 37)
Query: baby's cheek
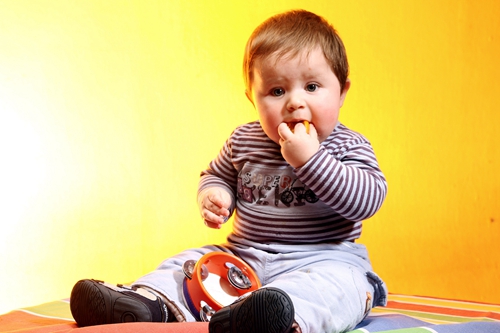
point(272, 133)
point(323, 131)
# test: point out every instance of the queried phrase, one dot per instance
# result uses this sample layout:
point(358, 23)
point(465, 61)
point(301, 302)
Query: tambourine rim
point(214, 261)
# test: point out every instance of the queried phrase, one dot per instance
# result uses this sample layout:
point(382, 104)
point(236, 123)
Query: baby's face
point(292, 90)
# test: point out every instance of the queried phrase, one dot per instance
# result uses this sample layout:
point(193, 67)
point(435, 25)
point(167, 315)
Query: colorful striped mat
point(414, 314)
point(403, 314)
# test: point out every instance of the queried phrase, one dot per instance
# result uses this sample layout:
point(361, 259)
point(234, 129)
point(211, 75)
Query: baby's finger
point(213, 225)
point(212, 220)
point(301, 128)
point(312, 131)
point(284, 131)
point(215, 217)
point(217, 210)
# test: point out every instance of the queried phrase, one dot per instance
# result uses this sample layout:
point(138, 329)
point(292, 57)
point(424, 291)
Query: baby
point(299, 184)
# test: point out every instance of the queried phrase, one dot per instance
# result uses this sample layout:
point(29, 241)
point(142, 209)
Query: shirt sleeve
point(220, 173)
point(348, 179)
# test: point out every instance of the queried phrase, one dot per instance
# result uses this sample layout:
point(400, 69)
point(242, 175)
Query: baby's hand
point(214, 203)
point(299, 146)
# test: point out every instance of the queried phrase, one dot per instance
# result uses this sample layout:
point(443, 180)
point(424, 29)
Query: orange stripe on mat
point(446, 303)
point(442, 310)
point(19, 321)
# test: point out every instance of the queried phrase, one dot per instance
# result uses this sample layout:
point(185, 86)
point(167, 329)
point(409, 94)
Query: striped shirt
point(325, 200)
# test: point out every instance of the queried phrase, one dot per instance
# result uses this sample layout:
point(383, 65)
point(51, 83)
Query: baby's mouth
point(291, 125)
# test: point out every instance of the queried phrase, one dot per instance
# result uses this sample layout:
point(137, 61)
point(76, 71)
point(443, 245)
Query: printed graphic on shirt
point(276, 188)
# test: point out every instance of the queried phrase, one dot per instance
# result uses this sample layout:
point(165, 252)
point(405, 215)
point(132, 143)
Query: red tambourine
point(236, 279)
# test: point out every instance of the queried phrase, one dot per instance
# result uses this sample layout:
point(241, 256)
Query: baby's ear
point(343, 94)
point(249, 96)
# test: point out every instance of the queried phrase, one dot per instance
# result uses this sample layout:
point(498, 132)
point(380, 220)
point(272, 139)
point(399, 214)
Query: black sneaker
point(266, 310)
point(94, 302)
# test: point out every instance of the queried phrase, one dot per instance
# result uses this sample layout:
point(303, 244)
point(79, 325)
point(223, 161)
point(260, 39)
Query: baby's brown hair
point(290, 33)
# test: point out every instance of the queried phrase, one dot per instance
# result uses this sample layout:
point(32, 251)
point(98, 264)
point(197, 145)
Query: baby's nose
point(295, 101)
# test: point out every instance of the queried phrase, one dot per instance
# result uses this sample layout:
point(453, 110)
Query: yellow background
point(110, 109)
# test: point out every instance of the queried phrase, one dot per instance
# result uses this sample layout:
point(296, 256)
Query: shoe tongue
point(146, 293)
point(141, 291)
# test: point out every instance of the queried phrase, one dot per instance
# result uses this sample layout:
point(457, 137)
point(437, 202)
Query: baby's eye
point(311, 87)
point(277, 92)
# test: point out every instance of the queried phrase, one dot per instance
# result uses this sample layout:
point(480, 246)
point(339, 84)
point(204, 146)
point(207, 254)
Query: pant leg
point(168, 277)
point(327, 283)
point(327, 302)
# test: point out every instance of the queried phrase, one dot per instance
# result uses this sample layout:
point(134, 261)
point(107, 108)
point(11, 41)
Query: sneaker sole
point(92, 303)
point(269, 310)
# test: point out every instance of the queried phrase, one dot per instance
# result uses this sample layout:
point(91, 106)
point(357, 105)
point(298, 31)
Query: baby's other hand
point(214, 203)
point(298, 147)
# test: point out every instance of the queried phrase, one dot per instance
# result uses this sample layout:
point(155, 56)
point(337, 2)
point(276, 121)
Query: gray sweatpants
point(332, 285)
